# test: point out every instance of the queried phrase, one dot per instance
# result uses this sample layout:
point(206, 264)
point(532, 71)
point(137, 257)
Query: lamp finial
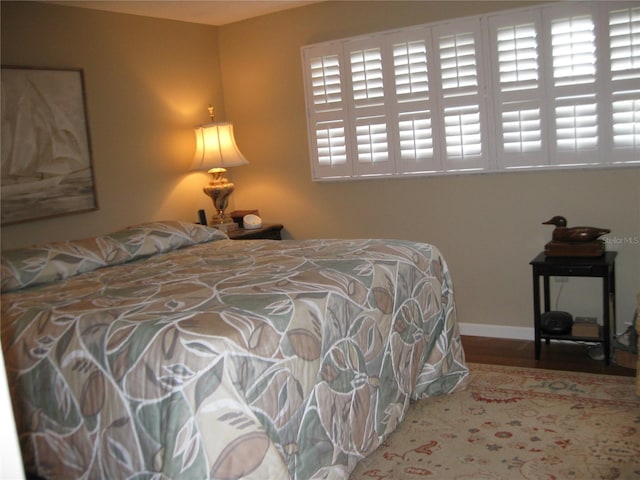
point(210, 109)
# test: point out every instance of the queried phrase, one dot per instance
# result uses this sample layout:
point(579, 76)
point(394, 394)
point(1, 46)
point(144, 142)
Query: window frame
point(407, 151)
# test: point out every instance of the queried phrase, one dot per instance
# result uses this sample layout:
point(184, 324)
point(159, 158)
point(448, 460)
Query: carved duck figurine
point(562, 233)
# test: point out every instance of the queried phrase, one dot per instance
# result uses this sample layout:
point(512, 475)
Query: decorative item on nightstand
point(216, 150)
point(238, 215)
point(251, 222)
point(574, 241)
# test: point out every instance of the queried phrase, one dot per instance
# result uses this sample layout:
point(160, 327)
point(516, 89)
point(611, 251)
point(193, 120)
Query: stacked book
point(574, 249)
point(585, 327)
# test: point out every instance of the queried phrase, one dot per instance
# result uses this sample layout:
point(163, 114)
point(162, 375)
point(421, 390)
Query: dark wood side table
point(603, 267)
point(268, 231)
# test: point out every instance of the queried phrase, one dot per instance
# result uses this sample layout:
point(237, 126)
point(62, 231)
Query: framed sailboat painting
point(45, 159)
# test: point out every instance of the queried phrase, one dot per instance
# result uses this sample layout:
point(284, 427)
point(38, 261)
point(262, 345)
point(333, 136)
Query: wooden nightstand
point(603, 267)
point(268, 231)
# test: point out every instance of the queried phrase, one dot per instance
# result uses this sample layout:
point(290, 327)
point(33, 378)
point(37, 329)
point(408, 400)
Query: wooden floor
point(555, 356)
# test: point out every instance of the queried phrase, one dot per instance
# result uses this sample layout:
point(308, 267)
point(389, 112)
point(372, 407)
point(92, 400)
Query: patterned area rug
point(517, 423)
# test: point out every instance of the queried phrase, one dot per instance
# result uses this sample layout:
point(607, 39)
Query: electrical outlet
point(561, 279)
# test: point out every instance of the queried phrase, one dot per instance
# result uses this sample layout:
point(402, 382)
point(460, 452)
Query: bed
point(166, 350)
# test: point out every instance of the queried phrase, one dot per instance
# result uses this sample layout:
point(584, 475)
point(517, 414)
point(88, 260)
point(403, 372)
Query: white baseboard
point(496, 331)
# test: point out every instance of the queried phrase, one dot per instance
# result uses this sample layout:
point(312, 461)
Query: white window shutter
point(414, 102)
point(519, 105)
point(462, 96)
point(550, 86)
point(571, 82)
point(326, 111)
point(368, 88)
point(624, 59)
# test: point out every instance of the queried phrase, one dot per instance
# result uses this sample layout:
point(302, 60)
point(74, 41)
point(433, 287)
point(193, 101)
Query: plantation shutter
point(553, 86)
point(519, 98)
point(572, 79)
point(414, 103)
point(462, 96)
point(367, 78)
point(327, 112)
point(624, 57)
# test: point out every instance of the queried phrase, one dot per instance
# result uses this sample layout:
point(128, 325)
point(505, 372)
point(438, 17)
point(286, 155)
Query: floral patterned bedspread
point(169, 351)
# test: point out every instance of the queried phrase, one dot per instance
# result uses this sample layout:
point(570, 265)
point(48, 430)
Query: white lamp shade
point(216, 147)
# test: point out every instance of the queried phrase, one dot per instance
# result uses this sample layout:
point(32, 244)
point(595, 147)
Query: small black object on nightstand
point(202, 217)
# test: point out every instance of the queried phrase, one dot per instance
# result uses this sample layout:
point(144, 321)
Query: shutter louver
point(517, 57)
point(331, 144)
point(573, 45)
point(624, 38)
point(462, 130)
point(366, 76)
point(458, 64)
point(410, 63)
point(577, 127)
point(325, 74)
point(521, 131)
point(626, 125)
point(372, 142)
point(416, 140)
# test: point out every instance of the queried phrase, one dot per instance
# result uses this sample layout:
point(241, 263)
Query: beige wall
point(488, 226)
point(148, 82)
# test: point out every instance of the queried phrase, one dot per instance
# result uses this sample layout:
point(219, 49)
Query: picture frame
point(45, 160)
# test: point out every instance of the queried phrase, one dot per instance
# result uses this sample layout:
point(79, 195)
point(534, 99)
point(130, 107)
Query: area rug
point(517, 423)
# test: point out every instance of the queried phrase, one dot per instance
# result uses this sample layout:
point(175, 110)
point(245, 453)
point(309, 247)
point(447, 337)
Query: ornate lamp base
point(220, 189)
point(225, 227)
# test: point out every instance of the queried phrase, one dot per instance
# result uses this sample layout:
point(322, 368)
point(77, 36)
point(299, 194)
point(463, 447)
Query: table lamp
point(216, 150)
